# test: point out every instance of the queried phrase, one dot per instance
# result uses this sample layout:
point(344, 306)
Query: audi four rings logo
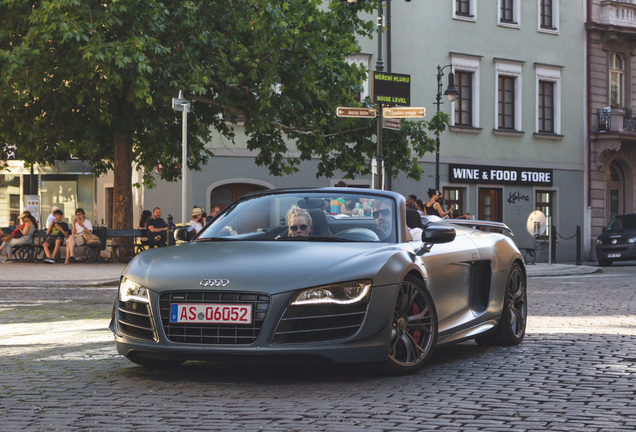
point(214, 282)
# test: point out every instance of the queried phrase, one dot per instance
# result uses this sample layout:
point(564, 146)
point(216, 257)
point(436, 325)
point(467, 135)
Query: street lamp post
point(379, 67)
point(451, 92)
point(183, 105)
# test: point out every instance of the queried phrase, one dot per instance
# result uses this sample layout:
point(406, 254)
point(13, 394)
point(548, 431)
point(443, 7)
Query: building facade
point(611, 38)
point(66, 185)
point(518, 136)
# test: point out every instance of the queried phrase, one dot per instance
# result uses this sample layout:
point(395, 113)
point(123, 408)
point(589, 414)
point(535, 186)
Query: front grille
point(134, 320)
point(319, 323)
point(214, 334)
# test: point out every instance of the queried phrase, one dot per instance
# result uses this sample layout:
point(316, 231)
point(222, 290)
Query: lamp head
point(451, 91)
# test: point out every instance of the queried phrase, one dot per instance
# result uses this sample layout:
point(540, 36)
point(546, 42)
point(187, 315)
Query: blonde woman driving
point(298, 222)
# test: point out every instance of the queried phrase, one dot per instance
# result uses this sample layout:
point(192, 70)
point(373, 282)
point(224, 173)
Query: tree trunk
point(122, 200)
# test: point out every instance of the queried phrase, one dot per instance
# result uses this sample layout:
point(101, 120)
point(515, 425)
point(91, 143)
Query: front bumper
point(150, 336)
point(621, 251)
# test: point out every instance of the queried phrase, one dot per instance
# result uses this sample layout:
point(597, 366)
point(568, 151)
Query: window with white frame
point(548, 16)
point(508, 94)
point(465, 108)
point(509, 13)
point(465, 10)
point(617, 79)
point(548, 88)
point(362, 60)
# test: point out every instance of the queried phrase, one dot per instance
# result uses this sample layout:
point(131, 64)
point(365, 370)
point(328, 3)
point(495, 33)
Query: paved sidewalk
point(543, 269)
point(103, 274)
point(40, 274)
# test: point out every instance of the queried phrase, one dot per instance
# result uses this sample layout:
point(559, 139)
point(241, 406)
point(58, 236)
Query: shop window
point(68, 192)
point(544, 202)
point(9, 199)
point(454, 196)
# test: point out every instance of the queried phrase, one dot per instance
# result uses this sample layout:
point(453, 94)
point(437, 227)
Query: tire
point(414, 331)
point(605, 263)
point(514, 316)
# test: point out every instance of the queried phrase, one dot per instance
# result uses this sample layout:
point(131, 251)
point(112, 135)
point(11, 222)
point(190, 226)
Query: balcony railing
point(618, 13)
point(616, 120)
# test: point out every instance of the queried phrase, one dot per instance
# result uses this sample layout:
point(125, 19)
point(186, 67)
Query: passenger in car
point(414, 223)
point(298, 222)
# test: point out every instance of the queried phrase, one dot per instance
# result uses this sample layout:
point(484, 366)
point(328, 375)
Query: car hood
point(270, 267)
point(620, 233)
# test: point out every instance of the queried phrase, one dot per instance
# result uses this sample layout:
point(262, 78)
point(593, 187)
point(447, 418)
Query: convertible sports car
point(330, 274)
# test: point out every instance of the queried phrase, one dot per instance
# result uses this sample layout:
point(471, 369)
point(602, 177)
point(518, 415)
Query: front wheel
point(414, 331)
point(512, 325)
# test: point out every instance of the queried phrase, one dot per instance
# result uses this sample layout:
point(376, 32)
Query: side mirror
point(435, 234)
point(438, 234)
point(184, 234)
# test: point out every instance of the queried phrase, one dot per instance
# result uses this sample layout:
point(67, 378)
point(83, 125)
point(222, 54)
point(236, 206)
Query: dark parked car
point(278, 274)
point(617, 242)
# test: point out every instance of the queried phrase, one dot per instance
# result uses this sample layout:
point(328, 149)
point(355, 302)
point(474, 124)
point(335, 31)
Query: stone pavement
point(106, 274)
point(40, 274)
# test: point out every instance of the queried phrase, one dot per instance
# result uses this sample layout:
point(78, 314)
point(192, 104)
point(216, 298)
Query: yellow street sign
point(404, 112)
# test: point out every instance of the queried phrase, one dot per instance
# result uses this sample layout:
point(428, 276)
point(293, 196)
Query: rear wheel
point(414, 332)
point(512, 325)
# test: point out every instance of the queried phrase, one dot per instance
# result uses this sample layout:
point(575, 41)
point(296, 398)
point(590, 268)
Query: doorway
point(615, 181)
point(224, 195)
point(490, 205)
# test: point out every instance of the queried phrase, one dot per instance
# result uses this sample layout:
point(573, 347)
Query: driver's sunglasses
point(302, 227)
point(383, 212)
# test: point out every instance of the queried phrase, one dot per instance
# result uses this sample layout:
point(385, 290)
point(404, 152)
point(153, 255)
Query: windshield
point(307, 216)
point(623, 222)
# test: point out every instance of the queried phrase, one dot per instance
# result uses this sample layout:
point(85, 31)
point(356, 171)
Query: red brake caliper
point(416, 333)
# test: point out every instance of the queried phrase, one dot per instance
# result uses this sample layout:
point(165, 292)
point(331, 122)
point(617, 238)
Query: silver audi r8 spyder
point(332, 274)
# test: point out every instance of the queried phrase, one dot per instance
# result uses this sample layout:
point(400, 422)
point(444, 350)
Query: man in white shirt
point(51, 218)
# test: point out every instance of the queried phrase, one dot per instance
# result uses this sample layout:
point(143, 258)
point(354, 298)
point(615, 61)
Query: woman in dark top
point(433, 207)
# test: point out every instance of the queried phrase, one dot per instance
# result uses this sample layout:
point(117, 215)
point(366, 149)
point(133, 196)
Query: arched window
point(617, 80)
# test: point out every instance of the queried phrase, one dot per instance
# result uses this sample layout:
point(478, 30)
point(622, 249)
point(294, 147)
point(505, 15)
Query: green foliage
point(73, 74)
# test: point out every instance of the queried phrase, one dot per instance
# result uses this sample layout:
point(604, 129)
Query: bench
point(529, 255)
point(126, 233)
point(35, 252)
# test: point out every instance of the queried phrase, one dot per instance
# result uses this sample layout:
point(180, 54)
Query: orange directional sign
point(356, 112)
point(404, 112)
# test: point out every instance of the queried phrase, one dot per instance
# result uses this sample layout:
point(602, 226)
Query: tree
point(95, 79)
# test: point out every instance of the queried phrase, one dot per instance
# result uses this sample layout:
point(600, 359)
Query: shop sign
point(459, 173)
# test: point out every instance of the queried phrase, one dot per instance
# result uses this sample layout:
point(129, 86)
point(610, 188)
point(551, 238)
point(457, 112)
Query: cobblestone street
point(575, 371)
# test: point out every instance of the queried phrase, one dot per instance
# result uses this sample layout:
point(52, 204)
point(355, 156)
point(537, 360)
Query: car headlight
point(599, 241)
point(129, 290)
point(631, 240)
point(341, 293)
